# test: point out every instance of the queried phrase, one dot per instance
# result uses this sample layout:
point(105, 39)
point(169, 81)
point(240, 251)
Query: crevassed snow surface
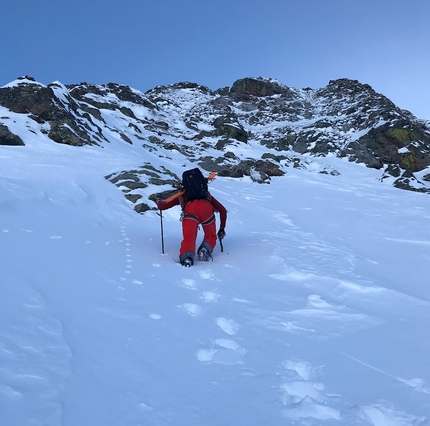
point(316, 313)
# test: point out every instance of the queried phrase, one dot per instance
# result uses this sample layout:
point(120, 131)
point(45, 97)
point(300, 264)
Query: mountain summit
point(258, 127)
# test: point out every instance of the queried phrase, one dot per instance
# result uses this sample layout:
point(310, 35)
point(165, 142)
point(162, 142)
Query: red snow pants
point(197, 212)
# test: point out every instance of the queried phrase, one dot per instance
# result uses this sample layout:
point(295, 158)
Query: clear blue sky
point(145, 43)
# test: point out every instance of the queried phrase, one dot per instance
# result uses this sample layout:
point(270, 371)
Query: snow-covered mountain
point(316, 312)
point(258, 127)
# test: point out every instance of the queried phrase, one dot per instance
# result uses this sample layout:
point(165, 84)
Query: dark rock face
point(123, 93)
point(228, 126)
point(129, 181)
point(286, 126)
point(27, 98)
point(43, 106)
point(8, 138)
point(252, 89)
point(403, 143)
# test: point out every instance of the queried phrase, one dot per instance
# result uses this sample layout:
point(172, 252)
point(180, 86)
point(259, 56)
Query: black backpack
point(195, 184)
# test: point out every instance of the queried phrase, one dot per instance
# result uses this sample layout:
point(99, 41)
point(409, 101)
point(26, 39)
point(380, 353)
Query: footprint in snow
point(303, 395)
point(205, 355)
point(379, 414)
point(145, 408)
point(206, 275)
point(192, 309)
point(188, 283)
point(224, 351)
point(128, 261)
point(210, 296)
point(229, 326)
point(155, 316)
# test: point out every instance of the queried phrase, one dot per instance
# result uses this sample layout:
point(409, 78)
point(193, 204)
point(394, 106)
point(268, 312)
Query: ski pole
point(220, 243)
point(162, 232)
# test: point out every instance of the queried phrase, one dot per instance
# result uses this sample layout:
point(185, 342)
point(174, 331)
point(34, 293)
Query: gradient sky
point(145, 43)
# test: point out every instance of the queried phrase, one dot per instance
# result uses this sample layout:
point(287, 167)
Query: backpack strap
point(190, 216)
point(208, 221)
point(194, 217)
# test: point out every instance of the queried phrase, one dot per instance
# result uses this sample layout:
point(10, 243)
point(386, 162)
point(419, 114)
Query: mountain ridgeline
point(258, 127)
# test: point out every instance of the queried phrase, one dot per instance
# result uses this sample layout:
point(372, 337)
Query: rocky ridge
point(258, 127)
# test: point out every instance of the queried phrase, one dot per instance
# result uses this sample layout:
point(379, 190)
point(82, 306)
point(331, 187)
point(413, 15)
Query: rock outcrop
point(258, 127)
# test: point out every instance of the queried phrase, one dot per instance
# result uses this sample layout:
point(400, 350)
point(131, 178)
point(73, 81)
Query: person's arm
point(167, 204)
point(221, 210)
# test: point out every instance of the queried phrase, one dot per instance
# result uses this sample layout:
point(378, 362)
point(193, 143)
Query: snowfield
point(316, 313)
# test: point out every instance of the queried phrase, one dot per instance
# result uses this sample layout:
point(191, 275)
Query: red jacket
point(182, 201)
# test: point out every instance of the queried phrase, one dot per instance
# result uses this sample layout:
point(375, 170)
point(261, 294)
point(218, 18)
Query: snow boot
point(187, 262)
point(204, 252)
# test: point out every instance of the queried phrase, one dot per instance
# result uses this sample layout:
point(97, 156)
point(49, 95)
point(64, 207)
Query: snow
point(316, 313)
point(22, 80)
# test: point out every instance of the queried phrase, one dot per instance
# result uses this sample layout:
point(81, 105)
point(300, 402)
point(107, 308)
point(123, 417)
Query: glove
point(159, 202)
point(221, 234)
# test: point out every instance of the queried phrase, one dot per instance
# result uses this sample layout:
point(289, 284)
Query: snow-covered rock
point(258, 127)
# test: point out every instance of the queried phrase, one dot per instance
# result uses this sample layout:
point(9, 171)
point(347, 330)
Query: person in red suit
point(195, 213)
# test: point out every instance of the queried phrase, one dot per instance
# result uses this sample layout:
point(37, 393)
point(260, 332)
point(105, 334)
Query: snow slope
point(316, 313)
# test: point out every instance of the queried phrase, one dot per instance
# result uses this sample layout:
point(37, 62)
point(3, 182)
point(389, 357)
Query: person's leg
point(188, 245)
point(210, 234)
point(203, 213)
point(209, 239)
